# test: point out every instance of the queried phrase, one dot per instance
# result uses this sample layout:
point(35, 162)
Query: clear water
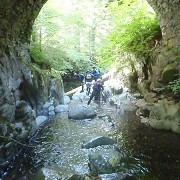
point(147, 153)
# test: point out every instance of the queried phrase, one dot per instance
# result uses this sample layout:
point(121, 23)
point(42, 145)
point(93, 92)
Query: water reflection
point(155, 154)
point(147, 153)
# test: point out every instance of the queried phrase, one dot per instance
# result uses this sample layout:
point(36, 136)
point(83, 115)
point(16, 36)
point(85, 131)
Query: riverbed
point(147, 153)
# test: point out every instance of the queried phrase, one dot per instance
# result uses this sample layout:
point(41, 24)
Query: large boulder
point(168, 73)
point(67, 99)
point(115, 86)
point(61, 108)
point(81, 111)
point(79, 96)
point(105, 161)
point(165, 115)
point(99, 141)
point(116, 176)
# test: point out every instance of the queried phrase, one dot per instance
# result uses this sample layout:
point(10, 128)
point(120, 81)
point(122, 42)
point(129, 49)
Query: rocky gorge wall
point(161, 111)
point(23, 87)
point(23, 92)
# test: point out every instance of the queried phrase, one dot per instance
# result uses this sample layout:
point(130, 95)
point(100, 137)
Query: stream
point(57, 147)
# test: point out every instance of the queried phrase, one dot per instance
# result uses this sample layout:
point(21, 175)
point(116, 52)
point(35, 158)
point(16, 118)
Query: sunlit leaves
point(134, 25)
point(62, 31)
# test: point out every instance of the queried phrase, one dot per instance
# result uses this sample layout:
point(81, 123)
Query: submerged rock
point(105, 162)
point(99, 141)
point(115, 176)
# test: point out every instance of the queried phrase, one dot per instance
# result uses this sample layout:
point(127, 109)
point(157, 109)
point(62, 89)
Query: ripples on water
point(147, 153)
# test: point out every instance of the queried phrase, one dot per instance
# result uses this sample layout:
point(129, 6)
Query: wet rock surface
point(99, 141)
point(82, 112)
point(59, 153)
point(105, 161)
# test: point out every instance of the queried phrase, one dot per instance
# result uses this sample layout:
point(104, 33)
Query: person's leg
point(82, 87)
point(90, 87)
point(91, 97)
point(97, 97)
point(87, 87)
point(89, 84)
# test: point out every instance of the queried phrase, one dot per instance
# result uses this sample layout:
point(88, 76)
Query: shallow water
point(147, 153)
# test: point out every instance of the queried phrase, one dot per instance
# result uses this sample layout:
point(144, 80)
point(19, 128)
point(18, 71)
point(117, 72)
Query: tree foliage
point(76, 38)
point(134, 26)
point(62, 40)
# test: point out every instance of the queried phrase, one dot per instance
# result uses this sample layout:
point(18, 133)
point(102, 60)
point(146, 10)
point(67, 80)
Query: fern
point(134, 27)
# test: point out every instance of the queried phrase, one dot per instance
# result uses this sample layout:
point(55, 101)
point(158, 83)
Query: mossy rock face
point(168, 73)
point(146, 84)
point(133, 80)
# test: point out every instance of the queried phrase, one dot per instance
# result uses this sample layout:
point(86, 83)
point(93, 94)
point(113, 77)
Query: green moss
point(133, 81)
point(147, 84)
point(168, 73)
point(18, 130)
point(114, 161)
point(178, 59)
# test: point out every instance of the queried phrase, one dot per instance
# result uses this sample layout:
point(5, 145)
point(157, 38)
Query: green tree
point(134, 26)
point(67, 38)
